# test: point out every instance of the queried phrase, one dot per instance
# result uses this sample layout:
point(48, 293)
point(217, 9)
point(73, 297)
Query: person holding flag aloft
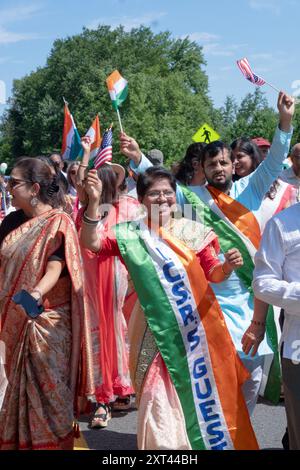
point(231, 209)
point(106, 282)
point(188, 390)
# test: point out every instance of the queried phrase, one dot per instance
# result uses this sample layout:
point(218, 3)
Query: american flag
point(245, 68)
point(105, 152)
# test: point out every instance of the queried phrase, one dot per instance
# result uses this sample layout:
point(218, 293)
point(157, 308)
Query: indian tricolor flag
point(191, 335)
point(95, 136)
point(118, 88)
point(71, 145)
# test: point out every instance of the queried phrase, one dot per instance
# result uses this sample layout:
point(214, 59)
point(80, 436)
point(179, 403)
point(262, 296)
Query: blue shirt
point(232, 295)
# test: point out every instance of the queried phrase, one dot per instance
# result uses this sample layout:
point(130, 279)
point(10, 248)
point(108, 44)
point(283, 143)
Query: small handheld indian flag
point(95, 136)
point(118, 91)
point(71, 144)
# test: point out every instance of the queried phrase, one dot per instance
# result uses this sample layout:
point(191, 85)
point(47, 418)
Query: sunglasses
point(13, 182)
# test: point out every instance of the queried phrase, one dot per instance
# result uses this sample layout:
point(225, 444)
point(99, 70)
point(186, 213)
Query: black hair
point(150, 176)
point(69, 169)
point(246, 145)
point(214, 148)
point(37, 170)
point(109, 184)
point(185, 171)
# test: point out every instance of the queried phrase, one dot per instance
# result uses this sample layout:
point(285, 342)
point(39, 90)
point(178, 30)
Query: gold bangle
point(83, 166)
point(226, 274)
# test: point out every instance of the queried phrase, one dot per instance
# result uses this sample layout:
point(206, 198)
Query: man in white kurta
point(277, 282)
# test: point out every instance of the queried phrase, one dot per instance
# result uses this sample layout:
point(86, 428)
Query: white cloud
point(12, 15)
point(127, 21)
point(211, 44)
point(227, 68)
point(262, 69)
point(217, 50)
point(270, 5)
point(20, 13)
point(220, 50)
point(261, 56)
point(8, 37)
point(202, 37)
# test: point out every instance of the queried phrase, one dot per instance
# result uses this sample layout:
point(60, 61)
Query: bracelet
point(226, 274)
point(92, 224)
point(89, 219)
point(83, 166)
point(259, 323)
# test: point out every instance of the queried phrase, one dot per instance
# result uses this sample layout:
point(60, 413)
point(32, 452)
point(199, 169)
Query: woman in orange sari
point(39, 254)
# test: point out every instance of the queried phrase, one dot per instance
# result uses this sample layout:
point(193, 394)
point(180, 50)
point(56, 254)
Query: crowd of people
point(160, 290)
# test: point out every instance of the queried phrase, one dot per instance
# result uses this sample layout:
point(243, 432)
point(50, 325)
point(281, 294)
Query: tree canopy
point(168, 95)
point(167, 100)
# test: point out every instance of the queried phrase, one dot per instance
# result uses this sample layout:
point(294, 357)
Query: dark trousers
point(291, 385)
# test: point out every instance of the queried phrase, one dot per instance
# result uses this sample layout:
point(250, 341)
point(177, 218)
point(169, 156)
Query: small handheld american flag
point(105, 152)
point(245, 68)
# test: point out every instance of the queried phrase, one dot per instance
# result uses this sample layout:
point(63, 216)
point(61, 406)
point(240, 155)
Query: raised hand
point(130, 148)
point(86, 143)
point(286, 108)
point(93, 187)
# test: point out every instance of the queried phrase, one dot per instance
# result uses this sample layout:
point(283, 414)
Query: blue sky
point(264, 31)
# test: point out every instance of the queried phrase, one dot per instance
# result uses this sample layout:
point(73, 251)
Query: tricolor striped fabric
point(95, 136)
point(118, 88)
point(71, 144)
point(231, 221)
point(245, 68)
point(105, 152)
point(192, 337)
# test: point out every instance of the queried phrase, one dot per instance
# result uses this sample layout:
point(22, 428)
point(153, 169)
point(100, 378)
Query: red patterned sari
point(106, 287)
point(43, 356)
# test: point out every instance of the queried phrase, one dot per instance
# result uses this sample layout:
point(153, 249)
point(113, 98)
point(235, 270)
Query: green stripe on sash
point(162, 322)
point(228, 239)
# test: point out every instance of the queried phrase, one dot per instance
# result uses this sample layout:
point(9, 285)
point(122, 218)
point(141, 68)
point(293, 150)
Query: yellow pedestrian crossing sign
point(205, 134)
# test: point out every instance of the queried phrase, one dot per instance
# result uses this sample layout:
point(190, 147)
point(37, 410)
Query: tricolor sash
point(190, 332)
point(222, 214)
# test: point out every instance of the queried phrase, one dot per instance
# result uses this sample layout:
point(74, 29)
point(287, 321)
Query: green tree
point(252, 118)
point(168, 92)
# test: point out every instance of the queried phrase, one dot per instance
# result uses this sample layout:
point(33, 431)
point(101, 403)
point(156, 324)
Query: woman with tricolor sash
point(232, 210)
point(184, 367)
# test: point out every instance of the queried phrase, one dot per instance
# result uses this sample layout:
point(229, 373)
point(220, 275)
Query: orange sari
point(106, 287)
point(43, 356)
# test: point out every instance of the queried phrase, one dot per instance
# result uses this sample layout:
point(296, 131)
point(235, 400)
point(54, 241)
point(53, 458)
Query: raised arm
point(89, 235)
point(130, 148)
point(83, 169)
point(271, 167)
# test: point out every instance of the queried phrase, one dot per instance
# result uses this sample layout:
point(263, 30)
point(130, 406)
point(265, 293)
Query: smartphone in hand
point(29, 303)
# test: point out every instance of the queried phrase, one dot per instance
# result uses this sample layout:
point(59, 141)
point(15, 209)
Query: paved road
point(269, 423)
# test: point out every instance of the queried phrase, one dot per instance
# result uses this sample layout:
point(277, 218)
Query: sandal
point(121, 404)
point(101, 416)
